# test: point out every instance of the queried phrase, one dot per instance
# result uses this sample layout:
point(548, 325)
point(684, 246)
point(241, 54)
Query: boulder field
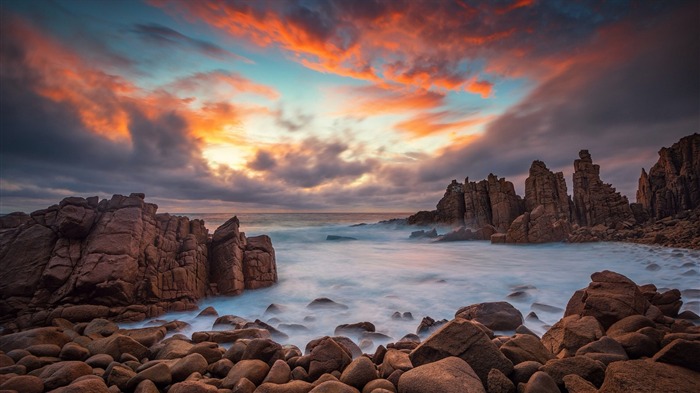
point(615, 337)
point(117, 259)
point(667, 210)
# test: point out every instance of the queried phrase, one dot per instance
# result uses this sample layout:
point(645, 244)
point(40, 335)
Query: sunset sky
point(214, 106)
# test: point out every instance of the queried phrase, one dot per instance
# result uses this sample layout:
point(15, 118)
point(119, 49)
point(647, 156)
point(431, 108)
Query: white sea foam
point(383, 272)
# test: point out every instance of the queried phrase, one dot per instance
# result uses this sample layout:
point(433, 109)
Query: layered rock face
point(450, 209)
point(595, 202)
point(491, 202)
point(538, 226)
point(543, 187)
point(673, 183)
point(119, 259)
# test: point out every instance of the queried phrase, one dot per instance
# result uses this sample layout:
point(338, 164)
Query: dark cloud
point(631, 92)
point(163, 35)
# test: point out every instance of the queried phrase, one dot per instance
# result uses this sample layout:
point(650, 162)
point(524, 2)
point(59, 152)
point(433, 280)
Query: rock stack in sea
point(615, 337)
point(667, 210)
point(117, 259)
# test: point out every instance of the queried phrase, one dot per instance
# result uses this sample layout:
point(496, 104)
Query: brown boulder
point(192, 387)
point(333, 387)
point(63, 373)
point(327, 356)
point(463, 339)
point(682, 353)
point(23, 383)
point(605, 350)
point(27, 338)
point(591, 370)
point(87, 384)
point(448, 375)
point(499, 383)
point(359, 372)
point(565, 337)
point(524, 347)
point(254, 370)
point(642, 376)
point(192, 363)
point(289, 387)
point(611, 297)
point(159, 374)
point(494, 315)
point(116, 345)
point(541, 382)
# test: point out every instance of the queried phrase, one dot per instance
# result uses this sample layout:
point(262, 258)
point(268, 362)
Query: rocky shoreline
point(667, 211)
point(615, 336)
point(118, 259)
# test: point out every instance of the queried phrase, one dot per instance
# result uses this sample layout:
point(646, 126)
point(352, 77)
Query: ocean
point(383, 272)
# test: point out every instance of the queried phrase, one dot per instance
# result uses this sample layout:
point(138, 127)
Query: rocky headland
point(615, 336)
point(118, 259)
point(666, 212)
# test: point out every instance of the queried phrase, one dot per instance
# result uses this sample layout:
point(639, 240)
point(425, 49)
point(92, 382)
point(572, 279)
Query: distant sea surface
point(384, 271)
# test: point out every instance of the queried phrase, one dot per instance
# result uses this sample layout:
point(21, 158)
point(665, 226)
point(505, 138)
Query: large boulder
point(465, 340)
point(327, 356)
point(611, 297)
point(643, 376)
point(565, 337)
point(448, 375)
point(493, 315)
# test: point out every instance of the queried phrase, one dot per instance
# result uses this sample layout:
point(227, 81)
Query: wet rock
point(229, 336)
point(354, 328)
point(376, 384)
point(231, 320)
point(325, 303)
point(447, 375)
point(339, 238)
point(495, 315)
point(428, 325)
point(611, 297)
point(263, 349)
point(333, 387)
point(208, 312)
point(463, 339)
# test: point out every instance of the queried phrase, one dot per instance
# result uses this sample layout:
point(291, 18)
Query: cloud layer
point(417, 87)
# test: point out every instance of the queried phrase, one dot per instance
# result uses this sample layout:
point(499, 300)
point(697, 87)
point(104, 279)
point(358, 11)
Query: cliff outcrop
point(118, 259)
point(668, 202)
point(673, 183)
point(595, 202)
point(546, 188)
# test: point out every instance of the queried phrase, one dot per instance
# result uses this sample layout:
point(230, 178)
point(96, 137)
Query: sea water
point(384, 271)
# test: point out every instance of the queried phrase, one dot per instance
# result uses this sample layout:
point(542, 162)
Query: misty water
point(384, 271)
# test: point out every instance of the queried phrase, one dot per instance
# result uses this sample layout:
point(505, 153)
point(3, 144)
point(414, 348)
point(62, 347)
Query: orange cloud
point(373, 100)
point(105, 103)
point(483, 88)
point(398, 44)
point(430, 123)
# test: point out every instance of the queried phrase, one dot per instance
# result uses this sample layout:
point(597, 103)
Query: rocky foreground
point(615, 336)
point(667, 211)
point(117, 259)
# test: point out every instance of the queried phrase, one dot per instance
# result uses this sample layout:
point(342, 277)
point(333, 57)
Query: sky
point(333, 105)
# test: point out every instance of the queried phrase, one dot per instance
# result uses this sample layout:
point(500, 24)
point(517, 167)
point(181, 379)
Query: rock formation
point(119, 259)
point(673, 183)
point(595, 202)
point(491, 202)
point(537, 226)
point(450, 209)
point(543, 187)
